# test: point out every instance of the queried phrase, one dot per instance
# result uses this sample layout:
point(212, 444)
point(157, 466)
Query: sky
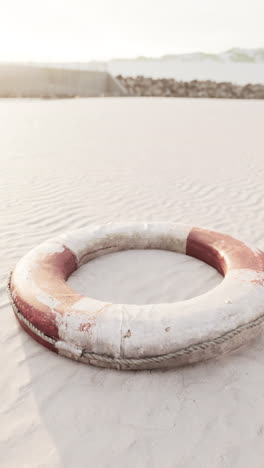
point(82, 30)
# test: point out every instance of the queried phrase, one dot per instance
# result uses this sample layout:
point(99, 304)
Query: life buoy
point(139, 336)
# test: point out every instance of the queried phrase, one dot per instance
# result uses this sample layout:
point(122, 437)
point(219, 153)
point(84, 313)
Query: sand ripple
point(68, 163)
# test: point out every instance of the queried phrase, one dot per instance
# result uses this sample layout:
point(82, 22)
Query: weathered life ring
point(139, 336)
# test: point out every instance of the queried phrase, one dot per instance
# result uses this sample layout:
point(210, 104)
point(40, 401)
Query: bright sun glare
point(80, 30)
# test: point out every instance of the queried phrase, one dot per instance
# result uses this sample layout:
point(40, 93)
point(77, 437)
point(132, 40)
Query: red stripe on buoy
point(222, 251)
point(37, 337)
point(51, 275)
point(40, 316)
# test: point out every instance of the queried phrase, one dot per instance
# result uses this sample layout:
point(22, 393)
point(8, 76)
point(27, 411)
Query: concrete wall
point(37, 81)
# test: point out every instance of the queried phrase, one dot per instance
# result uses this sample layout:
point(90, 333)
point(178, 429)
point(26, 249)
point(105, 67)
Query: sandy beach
point(69, 163)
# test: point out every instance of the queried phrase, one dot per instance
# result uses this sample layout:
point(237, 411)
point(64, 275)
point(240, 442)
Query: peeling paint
point(127, 334)
point(42, 295)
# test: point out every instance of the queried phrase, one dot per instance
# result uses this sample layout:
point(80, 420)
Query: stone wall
point(54, 82)
point(142, 86)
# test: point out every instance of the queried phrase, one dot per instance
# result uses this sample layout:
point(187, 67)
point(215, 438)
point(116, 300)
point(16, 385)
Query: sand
point(68, 163)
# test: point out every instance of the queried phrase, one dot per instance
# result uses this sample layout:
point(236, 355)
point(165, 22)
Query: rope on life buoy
point(127, 362)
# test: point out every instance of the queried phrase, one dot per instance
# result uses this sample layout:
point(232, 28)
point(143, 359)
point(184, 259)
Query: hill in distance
point(231, 55)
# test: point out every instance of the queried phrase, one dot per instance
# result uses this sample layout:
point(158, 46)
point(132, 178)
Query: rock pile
point(142, 86)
